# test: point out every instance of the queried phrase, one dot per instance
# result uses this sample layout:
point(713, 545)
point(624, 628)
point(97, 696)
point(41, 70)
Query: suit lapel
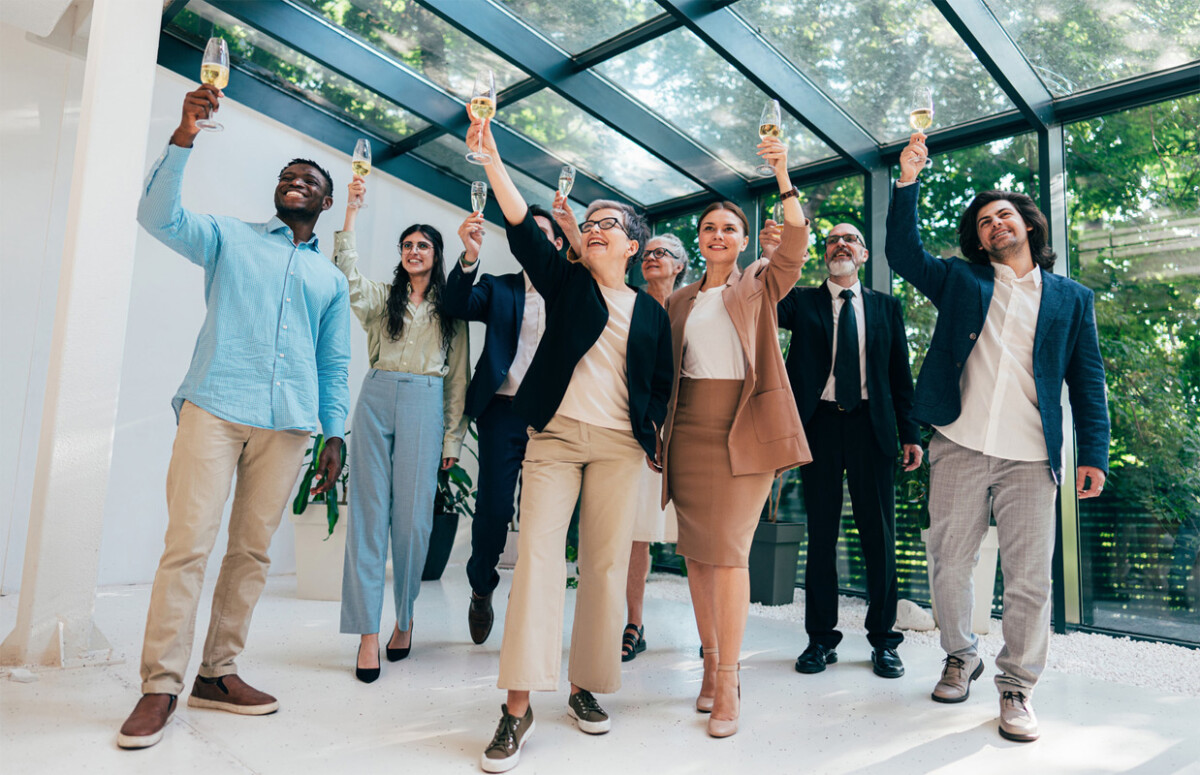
point(1052, 299)
point(519, 300)
point(737, 313)
point(870, 325)
point(824, 303)
point(679, 315)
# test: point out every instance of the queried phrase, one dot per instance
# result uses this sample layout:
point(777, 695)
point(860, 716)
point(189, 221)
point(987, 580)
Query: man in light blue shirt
point(271, 360)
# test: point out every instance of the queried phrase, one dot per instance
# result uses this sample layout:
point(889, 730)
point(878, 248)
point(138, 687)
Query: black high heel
point(365, 674)
point(395, 655)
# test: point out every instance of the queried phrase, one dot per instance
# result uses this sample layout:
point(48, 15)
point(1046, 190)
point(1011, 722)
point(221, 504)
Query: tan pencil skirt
point(717, 512)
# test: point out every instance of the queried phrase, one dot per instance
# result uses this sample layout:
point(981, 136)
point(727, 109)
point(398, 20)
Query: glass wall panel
point(446, 152)
point(420, 40)
point(283, 67)
point(1134, 188)
point(575, 136)
point(1078, 44)
point(869, 55)
point(577, 25)
point(708, 99)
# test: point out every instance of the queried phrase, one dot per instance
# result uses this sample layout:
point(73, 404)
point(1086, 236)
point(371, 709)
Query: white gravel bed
point(1160, 666)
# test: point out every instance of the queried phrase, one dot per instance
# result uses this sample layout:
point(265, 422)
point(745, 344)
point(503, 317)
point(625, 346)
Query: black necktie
point(847, 380)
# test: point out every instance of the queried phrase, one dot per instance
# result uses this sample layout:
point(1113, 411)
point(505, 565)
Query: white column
point(58, 582)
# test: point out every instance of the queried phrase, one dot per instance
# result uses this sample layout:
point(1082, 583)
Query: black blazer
point(499, 302)
point(808, 312)
point(575, 317)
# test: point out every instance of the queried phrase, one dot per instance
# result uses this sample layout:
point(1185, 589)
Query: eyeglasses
point(660, 253)
point(604, 224)
point(419, 246)
point(849, 239)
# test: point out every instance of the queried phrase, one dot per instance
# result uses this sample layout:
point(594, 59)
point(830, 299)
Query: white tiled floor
point(434, 712)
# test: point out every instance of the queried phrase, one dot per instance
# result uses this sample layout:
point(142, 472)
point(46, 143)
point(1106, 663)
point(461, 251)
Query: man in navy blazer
point(848, 365)
point(515, 315)
point(1009, 334)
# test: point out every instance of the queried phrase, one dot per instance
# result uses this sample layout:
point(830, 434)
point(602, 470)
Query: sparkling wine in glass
point(478, 196)
point(566, 179)
point(214, 71)
point(360, 163)
point(920, 115)
point(769, 125)
point(483, 107)
point(777, 211)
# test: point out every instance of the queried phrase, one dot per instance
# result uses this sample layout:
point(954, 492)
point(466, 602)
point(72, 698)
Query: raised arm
point(783, 268)
point(905, 253)
point(368, 298)
point(512, 204)
point(464, 299)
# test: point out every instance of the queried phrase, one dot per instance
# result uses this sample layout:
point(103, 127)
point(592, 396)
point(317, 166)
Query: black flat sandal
point(633, 643)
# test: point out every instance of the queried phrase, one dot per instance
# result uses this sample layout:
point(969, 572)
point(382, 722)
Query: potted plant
point(454, 498)
point(320, 533)
point(776, 549)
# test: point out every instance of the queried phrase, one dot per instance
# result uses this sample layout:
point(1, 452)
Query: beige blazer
point(766, 434)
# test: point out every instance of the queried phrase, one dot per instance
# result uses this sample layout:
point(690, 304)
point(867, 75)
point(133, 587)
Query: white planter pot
point(508, 558)
point(984, 580)
point(319, 556)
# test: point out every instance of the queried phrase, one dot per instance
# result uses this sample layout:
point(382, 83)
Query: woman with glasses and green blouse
point(407, 422)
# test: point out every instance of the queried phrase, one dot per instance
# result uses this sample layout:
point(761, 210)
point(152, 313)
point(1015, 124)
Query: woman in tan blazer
point(732, 425)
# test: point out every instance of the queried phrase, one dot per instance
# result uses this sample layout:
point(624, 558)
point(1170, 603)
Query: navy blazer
point(808, 312)
point(1065, 346)
point(499, 302)
point(576, 315)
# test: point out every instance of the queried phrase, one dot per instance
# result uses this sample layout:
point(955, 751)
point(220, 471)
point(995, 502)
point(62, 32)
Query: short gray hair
point(634, 224)
point(675, 245)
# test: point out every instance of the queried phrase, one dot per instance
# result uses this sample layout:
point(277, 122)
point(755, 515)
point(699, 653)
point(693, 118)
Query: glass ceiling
point(864, 56)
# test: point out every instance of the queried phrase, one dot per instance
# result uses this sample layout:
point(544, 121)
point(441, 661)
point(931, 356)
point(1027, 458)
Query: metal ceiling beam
point(515, 42)
point(332, 47)
point(184, 58)
point(170, 11)
point(989, 41)
point(1130, 93)
point(731, 37)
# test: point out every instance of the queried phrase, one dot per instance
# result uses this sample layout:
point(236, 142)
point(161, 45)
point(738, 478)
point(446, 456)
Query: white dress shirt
point(711, 346)
point(860, 317)
point(1000, 416)
point(533, 325)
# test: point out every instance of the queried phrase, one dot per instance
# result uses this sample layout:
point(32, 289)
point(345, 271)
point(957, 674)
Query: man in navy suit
point(848, 365)
point(1009, 334)
point(515, 315)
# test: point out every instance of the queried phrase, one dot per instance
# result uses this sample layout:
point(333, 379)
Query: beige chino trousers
point(566, 459)
point(207, 452)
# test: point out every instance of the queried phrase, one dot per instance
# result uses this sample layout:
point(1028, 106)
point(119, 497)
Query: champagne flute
point(360, 163)
point(214, 71)
point(777, 212)
point(483, 107)
point(478, 196)
point(769, 125)
point(566, 179)
point(920, 117)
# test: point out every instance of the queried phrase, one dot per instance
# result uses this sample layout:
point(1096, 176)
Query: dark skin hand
point(329, 465)
point(197, 105)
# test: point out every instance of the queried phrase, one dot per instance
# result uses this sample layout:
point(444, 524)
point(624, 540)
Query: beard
point(841, 266)
point(1010, 249)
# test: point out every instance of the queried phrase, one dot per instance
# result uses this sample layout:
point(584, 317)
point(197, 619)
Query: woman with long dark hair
point(409, 416)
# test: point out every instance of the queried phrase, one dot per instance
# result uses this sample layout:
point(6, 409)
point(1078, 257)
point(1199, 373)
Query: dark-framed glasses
point(660, 254)
point(849, 239)
point(410, 245)
point(604, 224)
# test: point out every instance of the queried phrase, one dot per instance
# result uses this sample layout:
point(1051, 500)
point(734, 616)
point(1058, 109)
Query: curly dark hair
point(398, 298)
point(1039, 234)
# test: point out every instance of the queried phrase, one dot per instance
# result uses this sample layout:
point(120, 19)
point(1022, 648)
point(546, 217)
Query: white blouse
point(598, 393)
point(711, 347)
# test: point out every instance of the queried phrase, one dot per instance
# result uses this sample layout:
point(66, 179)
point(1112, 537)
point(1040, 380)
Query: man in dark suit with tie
point(848, 365)
point(515, 315)
point(1010, 333)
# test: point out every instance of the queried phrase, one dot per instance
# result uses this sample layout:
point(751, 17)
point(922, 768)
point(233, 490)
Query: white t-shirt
point(598, 393)
point(711, 347)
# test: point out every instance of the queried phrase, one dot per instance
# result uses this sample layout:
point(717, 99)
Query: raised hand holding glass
point(214, 71)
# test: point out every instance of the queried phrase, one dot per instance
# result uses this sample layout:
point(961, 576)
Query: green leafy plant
point(455, 492)
point(330, 498)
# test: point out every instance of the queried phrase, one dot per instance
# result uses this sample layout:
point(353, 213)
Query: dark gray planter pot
point(773, 557)
point(441, 541)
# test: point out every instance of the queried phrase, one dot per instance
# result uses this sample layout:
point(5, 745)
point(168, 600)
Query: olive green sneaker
point(587, 713)
point(505, 749)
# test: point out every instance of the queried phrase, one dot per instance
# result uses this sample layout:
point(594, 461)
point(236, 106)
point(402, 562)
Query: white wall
point(233, 173)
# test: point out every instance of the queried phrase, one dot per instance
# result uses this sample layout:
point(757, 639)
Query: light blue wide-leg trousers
point(394, 453)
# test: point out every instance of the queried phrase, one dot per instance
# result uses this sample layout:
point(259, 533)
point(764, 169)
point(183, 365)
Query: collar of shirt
point(528, 282)
point(277, 224)
point(835, 289)
point(1007, 275)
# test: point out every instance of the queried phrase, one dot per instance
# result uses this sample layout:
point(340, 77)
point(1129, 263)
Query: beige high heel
point(705, 704)
point(726, 727)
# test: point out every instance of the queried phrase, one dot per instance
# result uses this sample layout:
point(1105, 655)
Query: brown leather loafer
point(232, 694)
point(145, 725)
point(480, 617)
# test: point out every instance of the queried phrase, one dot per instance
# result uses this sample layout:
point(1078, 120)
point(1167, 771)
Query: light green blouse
point(419, 348)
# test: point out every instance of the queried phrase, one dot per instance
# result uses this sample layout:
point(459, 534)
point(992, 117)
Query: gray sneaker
point(1017, 719)
point(957, 676)
point(587, 713)
point(505, 749)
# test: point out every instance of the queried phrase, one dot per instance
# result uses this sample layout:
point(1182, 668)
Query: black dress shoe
point(365, 674)
point(814, 659)
point(887, 663)
point(480, 617)
point(395, 655)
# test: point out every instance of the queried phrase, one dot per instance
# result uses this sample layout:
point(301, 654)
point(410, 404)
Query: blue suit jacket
point(1065, 347)
point(498, 301)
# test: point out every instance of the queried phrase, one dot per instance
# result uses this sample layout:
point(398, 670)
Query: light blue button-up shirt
point(274, 350)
